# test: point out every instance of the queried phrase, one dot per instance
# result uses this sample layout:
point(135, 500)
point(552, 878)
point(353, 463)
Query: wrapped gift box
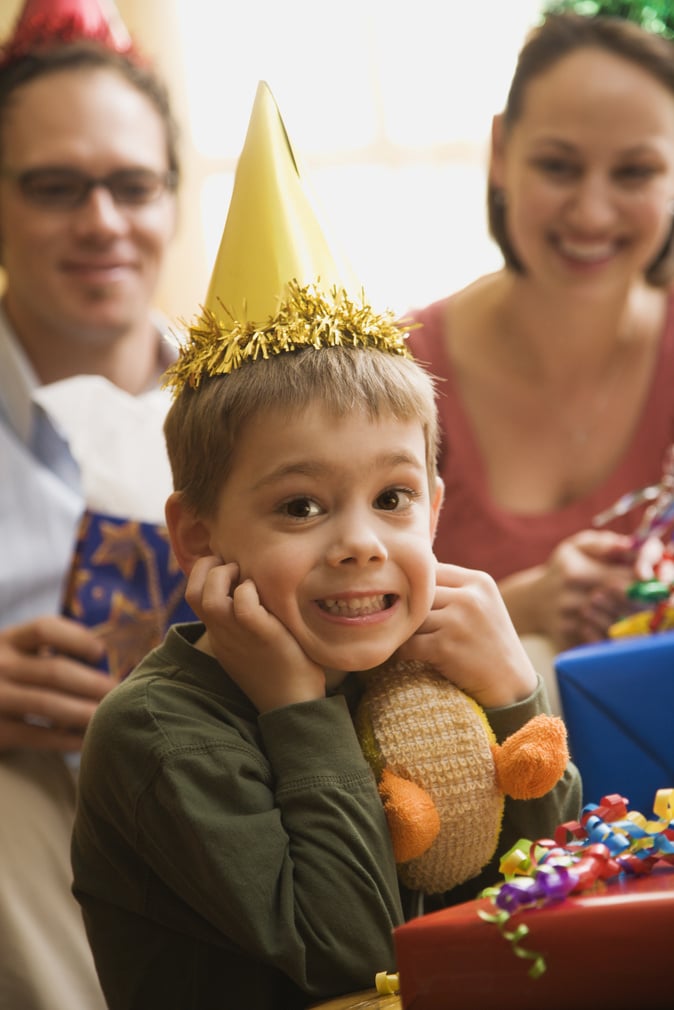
point(617, 700)
point(126, 585)
point(605, 948)
point(124, 581)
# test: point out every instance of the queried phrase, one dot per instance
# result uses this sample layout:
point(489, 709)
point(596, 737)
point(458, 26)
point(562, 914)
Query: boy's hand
point(250, 643)
point(469, 638)
point(48, 687)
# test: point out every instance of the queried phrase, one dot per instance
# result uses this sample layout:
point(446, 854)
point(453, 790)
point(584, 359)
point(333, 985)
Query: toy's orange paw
point(532, 760)
point(413, 820)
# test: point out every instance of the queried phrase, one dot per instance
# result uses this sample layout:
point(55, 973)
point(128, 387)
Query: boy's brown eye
point(389, 500)
point(300, 508)
point(397, 499)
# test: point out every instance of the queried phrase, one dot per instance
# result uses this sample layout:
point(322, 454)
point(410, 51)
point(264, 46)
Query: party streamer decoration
point(606, 842)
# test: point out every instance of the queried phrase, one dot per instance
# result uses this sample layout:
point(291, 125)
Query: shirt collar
point(19, 379)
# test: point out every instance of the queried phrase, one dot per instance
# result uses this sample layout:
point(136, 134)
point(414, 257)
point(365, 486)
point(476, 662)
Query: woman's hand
point(250, 643)
point(578, 593)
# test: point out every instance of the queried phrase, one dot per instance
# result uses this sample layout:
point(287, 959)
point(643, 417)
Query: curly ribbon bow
point(606, 842)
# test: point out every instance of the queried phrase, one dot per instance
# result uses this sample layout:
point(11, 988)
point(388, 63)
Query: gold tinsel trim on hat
point(306, 318)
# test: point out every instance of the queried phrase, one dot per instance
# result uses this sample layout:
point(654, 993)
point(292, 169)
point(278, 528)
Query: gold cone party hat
point(276, 286)
point(271, 234)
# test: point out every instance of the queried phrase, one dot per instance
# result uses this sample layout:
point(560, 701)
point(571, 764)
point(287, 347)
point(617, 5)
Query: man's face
point(332, 519)
point(85, 273)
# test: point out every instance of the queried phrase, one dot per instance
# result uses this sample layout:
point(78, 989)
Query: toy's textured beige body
point(441, 773)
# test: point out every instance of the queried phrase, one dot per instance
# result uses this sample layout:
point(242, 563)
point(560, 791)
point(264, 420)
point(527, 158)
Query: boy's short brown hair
point(203, 424)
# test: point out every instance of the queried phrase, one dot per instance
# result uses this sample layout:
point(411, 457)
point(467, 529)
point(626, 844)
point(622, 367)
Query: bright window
point(388, 106)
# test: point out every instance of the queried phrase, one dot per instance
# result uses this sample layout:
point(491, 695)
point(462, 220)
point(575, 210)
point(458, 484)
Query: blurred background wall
point(388, 105)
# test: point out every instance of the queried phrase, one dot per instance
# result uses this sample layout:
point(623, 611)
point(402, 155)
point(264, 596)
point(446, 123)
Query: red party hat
point(44, 23)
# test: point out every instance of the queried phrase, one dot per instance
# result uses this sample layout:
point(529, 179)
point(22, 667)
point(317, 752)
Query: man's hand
point(48, 687)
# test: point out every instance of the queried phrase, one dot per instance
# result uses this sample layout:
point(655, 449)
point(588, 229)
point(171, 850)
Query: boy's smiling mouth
point(356, 606)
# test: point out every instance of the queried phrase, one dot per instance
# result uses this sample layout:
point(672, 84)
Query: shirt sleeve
point(537, 818)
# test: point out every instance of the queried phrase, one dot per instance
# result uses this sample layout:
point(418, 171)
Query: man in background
point(88, 174)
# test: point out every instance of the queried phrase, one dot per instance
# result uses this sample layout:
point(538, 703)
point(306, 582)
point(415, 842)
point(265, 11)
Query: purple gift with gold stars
point(126, 585)
point(124, 581)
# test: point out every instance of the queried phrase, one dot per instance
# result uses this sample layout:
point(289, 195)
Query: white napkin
point(118, 442)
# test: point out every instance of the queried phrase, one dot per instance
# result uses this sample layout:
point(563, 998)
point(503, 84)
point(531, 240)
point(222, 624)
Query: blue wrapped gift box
point(618, 704)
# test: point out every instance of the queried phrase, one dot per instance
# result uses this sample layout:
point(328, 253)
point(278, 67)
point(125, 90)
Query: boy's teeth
point(355, 606)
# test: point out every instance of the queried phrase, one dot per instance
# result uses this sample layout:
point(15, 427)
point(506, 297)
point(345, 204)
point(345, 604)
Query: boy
point(230, 847)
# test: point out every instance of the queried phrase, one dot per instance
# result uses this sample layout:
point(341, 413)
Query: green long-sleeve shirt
point(226, 859)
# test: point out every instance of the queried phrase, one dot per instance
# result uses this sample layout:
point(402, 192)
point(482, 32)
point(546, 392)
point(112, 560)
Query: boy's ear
point(190, 535)
point(436, 505)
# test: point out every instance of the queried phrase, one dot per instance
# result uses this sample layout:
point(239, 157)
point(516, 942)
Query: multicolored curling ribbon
point(607, 841)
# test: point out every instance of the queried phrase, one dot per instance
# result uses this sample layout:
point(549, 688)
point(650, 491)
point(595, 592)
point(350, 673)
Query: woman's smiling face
point(332, 519)
point(587, 169)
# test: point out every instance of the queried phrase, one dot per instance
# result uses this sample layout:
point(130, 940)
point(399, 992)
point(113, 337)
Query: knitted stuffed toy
point(441, 774)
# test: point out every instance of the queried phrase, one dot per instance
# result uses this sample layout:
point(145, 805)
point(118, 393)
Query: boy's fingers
point(195, 582)
point(210, 583)
point(246, 601)
point(452, 576)
point(413, 649)
point(251, 615)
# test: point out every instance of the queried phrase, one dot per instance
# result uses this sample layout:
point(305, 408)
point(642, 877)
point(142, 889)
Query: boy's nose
point(360, 545)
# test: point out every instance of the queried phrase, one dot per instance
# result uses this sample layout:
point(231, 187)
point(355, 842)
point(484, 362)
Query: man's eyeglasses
point(66, 188)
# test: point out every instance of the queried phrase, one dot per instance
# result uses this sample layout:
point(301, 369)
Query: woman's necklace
point(581, 416)
point(617, 387)
point(580, 427)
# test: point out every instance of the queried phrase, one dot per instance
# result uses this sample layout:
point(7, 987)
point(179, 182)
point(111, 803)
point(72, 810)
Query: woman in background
point(558, 370)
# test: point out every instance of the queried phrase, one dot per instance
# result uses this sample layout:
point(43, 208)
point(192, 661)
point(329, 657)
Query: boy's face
point(333, 521)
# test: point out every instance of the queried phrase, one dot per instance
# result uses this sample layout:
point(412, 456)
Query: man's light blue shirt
point(40, 496)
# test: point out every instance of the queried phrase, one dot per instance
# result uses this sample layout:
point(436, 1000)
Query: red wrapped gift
point(605, 948)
